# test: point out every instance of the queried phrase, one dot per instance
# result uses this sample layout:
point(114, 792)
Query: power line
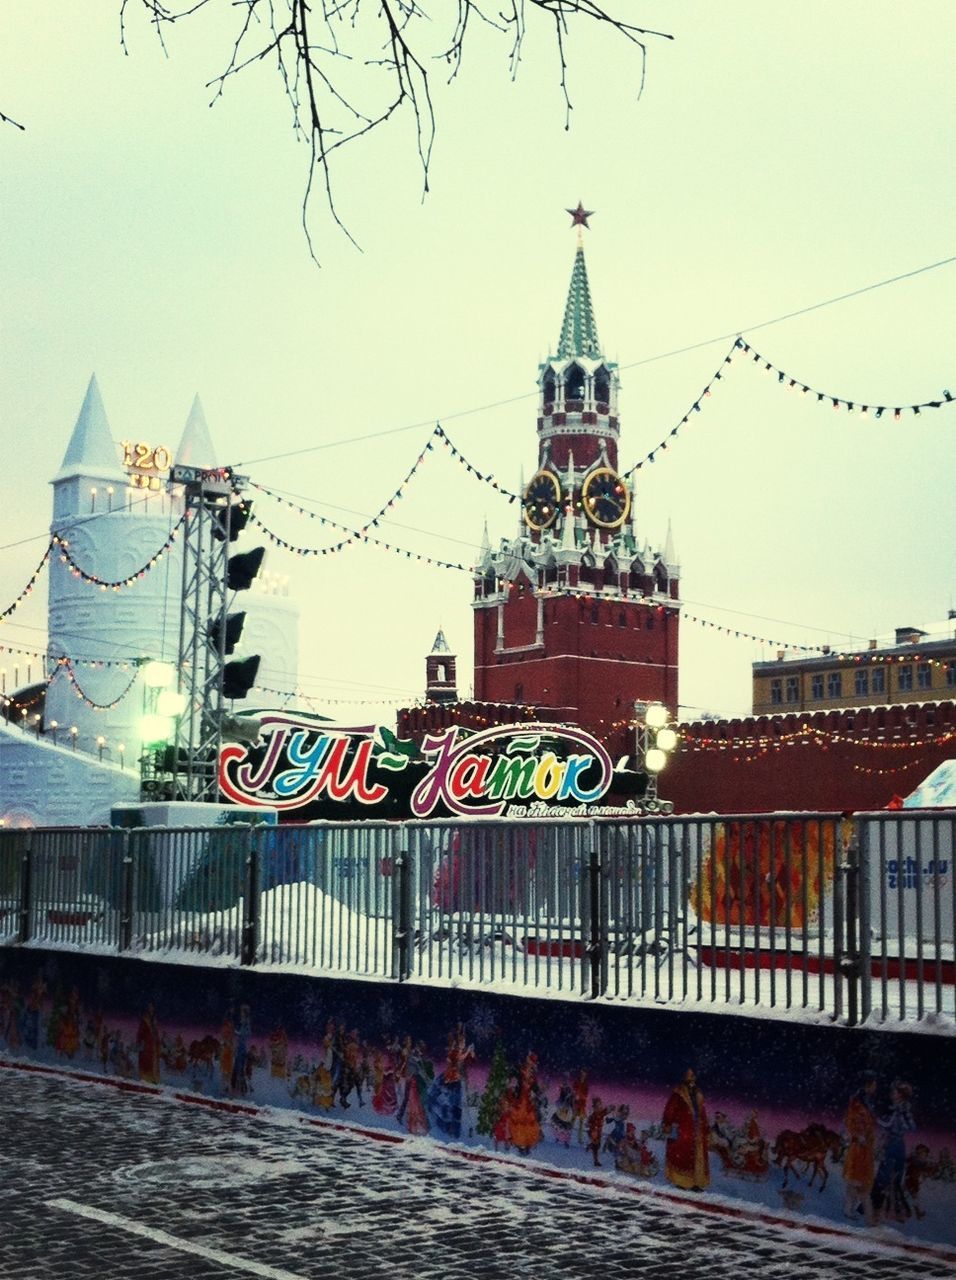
point(634, 364)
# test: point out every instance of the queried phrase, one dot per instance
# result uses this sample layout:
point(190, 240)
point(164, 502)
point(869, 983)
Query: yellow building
point(914, 665)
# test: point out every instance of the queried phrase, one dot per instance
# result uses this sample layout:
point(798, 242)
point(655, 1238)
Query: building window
point(904, 679)
point(519, 693)
point(649, 621)
point(951, 674)
point(622, 619)
point(793, 689)
point(834, 684)
point(816, 686)
point(924, 676)
point(878, 683)
point(861, 683)
point(776, 691)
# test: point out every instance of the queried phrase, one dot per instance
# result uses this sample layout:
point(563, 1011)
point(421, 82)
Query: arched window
point(660, 578)
point(602, 385)
point(548, 387)
point(440, 673)
point(574, 383)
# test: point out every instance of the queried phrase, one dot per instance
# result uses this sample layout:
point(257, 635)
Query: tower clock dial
point(542, 500)
point(605, 498)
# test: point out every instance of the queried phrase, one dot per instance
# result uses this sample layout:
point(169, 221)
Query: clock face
point(542, 500)
point(605, 498)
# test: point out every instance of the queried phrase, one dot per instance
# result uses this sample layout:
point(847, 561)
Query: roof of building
point(195, 447)
point(92, 449)
point(441, 644)
point(579, 330)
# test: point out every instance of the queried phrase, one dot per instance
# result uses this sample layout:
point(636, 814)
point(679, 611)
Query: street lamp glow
point(655, 717)
point(155, 729)
point(158, 675)
point(666, 739)
point(655, 760)
point(170, 703)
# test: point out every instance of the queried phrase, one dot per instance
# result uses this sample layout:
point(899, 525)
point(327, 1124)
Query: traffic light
point(234, 625)
point(243, 568)
point(236, 514)
point(239, 677)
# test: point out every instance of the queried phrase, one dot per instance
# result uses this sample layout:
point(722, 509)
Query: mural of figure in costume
point(351, 1069)
point(148, 1046)
point(278, 1053)
point(68, 1030)
point(859, 1163)
point(889, 1196)
point(580, 1090)
point(323, 1078)
point(227, 1048)
point(385, 1098)
point(919, 1165)
point(562, 1117)
point(686, 1162)
point(524, 1121)
point(241, 1063)
point(597, 1117)
point(445, 1095)
point(421, 1077)
point(31, 1013)
point(633, 1154)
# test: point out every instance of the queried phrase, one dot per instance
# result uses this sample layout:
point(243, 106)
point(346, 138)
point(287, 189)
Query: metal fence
point(849, 919)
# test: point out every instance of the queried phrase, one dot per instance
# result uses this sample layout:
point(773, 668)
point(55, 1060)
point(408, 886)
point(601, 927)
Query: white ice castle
point(76, 751)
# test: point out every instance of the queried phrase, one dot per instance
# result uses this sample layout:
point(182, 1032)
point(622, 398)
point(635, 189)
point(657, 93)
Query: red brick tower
point(577, 611)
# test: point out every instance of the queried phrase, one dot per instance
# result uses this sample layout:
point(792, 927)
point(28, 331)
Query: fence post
point(595, 947)
point(26, 891)
point(850, 961)
point(250, 922)
point(402, 915)
point(127, 878)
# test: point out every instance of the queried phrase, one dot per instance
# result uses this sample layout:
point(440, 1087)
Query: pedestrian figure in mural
point(241, 1064)
point(859, 1164)
point(617, 1125)
point(562, 1117)
point(385, 1098)
point(350, 1074)
point(597, 1117)
point(889, 1196)
point(686, 1161)
point(421, 1077)
point(148, 1046)
point(68, 1027)
point(633, 1154)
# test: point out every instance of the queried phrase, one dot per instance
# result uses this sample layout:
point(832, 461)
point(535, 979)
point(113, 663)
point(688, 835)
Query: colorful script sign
point(307, 766)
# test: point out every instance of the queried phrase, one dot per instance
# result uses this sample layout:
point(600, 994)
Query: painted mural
point(852, 1126)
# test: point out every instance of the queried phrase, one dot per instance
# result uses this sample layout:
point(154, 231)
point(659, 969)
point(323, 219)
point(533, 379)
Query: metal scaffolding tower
point(193, 762)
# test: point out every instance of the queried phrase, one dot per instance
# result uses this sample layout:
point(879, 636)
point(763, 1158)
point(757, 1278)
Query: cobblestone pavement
point(99, 1184)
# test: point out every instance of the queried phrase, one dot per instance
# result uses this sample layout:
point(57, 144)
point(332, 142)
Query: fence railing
point(850, 919)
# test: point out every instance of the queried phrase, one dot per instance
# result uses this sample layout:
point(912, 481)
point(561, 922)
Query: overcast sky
point(779, 156)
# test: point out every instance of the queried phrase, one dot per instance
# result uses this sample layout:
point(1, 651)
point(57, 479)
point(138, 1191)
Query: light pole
point(654, 739)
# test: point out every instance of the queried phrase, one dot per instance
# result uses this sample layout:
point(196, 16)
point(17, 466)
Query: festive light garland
point(836, 402)
point(472, 470)
point(695, 407)
point(65, 665)
point(807, 734)
point(118, 584)
point(123, 663)
point(749, 635)
point(28, 589)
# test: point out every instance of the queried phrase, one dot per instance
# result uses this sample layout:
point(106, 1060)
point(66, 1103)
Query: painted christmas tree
point(495, 1089)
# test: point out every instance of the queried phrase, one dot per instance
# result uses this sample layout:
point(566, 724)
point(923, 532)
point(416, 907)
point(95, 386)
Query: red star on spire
point(580, 215)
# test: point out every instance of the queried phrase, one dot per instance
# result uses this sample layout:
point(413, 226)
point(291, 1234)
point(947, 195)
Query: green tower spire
point(579, 330)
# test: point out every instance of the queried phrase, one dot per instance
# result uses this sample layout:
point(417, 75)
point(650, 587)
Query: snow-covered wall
point(46, 785)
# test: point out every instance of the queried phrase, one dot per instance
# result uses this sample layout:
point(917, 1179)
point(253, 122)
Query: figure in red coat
point(685, 1128)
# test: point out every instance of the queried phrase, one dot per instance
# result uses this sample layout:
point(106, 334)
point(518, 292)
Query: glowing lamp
point(666, 739)
point(655, 760)
point(158, 675)
point(170, 703)
point(155, 729)
point(656, 716)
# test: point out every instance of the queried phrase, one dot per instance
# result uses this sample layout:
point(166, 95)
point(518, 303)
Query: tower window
point(574, 383)
point(440, 673)
point(602, 385)
point(548, 387)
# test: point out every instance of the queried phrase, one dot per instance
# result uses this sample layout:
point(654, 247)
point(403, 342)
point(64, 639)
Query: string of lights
point(124, 664)
point(487, 478)
point(65, 665)
point(63, 546)
point(28, 589)
point(807, 733)
point(784, 379)
point(696, 407)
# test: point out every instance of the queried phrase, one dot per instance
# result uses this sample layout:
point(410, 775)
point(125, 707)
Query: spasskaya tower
point(578, 612)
